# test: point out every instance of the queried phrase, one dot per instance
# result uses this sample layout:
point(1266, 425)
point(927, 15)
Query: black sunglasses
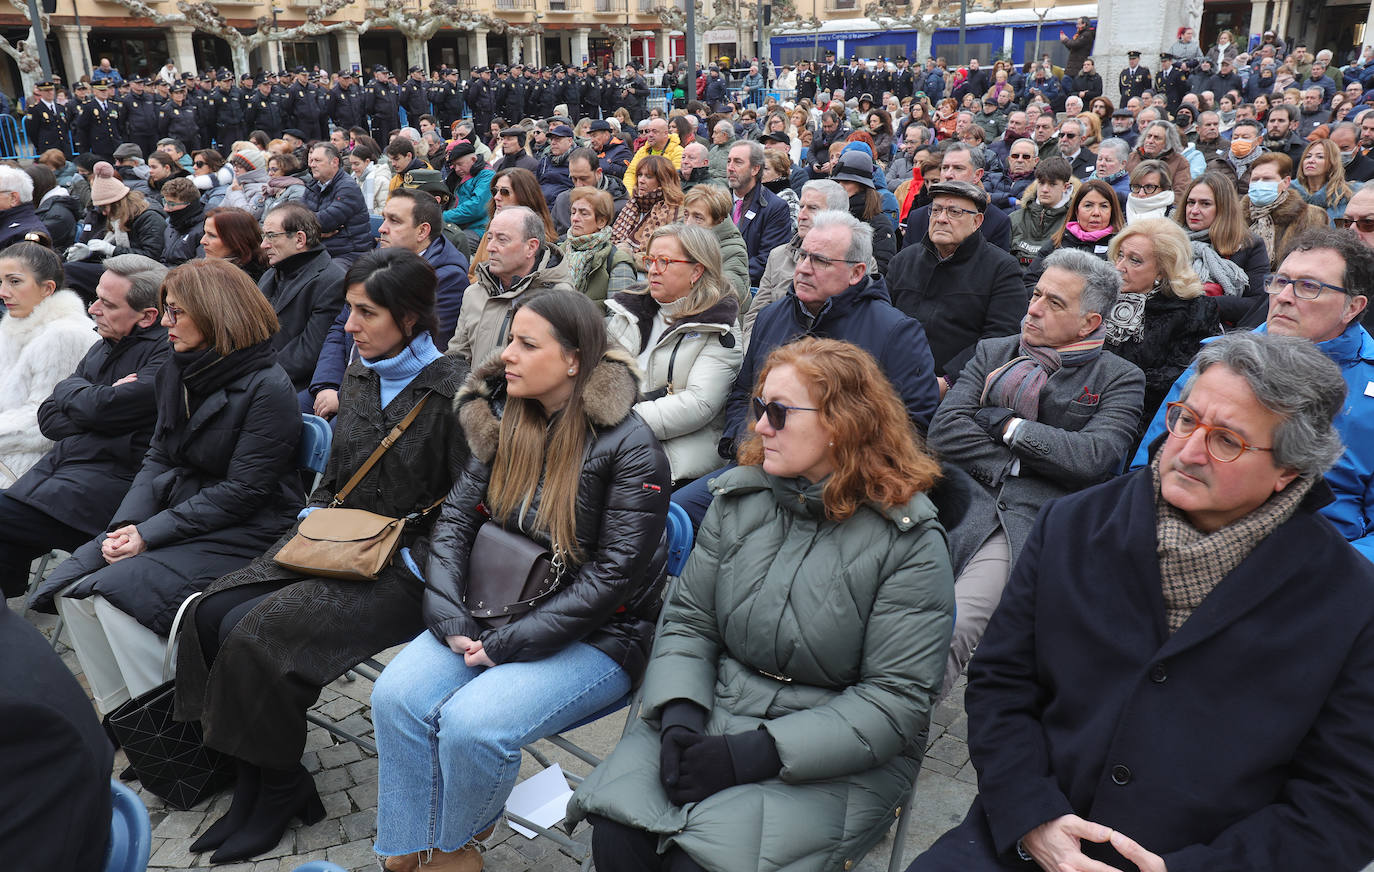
point(1365, 225)
point(776, 412)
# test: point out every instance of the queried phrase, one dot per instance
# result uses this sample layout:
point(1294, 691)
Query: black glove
point(679, 718)
point(993, 420)
point(710, 764)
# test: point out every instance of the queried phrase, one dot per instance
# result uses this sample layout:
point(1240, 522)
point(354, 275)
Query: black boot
point(246, 787)
point(283, 794)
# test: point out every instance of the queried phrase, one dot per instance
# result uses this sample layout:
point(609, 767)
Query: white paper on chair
point(542, 799)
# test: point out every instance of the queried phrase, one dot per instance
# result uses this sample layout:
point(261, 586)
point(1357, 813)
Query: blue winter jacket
point(1352, 478)
point(469, 210)
point(343, 215)
point(862, 314)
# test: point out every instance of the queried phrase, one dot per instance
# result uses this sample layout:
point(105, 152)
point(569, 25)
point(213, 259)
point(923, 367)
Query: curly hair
point(877, 455)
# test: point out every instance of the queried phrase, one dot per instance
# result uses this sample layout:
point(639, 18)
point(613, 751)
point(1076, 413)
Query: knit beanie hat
point(254, 158)
point(106, 186)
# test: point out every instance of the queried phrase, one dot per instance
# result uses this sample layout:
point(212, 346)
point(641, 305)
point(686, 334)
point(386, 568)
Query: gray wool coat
point(1086, 425)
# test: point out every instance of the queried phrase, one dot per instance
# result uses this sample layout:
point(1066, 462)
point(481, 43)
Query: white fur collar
point(60, 306)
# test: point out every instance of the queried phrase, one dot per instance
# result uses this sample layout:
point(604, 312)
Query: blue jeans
point(449, 735)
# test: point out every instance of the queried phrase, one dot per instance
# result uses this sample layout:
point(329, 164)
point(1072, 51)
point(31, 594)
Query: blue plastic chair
point(313, 452)
point(680, 539)
point(319, 866)
point(131, 834)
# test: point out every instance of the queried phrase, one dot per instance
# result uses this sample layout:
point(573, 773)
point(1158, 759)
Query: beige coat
point(687, 378)
point(484, 317)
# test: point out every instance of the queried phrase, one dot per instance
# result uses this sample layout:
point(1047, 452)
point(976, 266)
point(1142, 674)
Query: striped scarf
point(1017, 384)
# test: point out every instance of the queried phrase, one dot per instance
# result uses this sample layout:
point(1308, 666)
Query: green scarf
point(580, 255)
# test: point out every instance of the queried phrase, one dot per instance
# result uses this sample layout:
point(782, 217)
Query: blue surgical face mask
point(1263, 193)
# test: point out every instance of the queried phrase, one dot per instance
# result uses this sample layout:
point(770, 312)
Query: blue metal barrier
point(660, 97)
point(14, 139)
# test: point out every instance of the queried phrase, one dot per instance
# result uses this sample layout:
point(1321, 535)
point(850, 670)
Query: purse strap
point(387, 442)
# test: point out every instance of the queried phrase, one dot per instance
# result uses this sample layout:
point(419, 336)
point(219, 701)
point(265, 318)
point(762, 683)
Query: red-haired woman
point(819, 598)
point(234, 235)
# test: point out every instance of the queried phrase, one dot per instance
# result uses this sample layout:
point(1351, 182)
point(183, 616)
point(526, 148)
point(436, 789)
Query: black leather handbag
point(508, 575)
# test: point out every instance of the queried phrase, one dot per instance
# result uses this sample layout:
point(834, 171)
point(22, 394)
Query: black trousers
point(618, 848)
point(219, 613)
point(25, 535)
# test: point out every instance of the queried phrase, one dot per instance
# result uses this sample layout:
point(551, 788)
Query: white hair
point(13, 179)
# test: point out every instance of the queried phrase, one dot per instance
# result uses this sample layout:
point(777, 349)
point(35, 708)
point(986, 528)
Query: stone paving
point(346, 777)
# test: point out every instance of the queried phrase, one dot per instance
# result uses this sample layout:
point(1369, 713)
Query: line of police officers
point(215, 110)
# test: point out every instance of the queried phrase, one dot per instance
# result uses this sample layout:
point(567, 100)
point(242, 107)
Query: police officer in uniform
point(1135, 79)
point(46, 122)
point(534, 91)
point(414, 95)
point(382, 104)
point(263, 111)
point(904, 83)
point(806, 82)
point(178, 119)
point(855, 78)
point(346, 102)
point(481, 101)
point(589, 93)
point(1171, 81)
point(99, 125)
point(141, 115)
point(448, 100)
point(831, 76)
point(303, 105)
point(610, 91)
point(880, 81)
point(226, 111)
point(513, 107)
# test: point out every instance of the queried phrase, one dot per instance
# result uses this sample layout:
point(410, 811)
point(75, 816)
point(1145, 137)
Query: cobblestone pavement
point(347, 780)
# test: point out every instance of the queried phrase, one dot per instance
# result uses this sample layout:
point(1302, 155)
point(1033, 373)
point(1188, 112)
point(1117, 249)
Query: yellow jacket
point(672, 151)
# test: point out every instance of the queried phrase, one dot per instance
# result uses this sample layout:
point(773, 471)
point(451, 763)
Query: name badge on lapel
point(749, 214)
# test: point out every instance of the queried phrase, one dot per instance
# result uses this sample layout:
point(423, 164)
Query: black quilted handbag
point(168, 756)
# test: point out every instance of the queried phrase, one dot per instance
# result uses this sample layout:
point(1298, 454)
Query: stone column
point(578, 46)
point(479, 47)
point(349, 54)
point(663, 47)
point(1259, 13)
point(76, 53)
point(183, 50)
point(531, 53)
point(1145, 27)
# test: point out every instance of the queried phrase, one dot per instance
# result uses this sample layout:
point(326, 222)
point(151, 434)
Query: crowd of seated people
point(921, 379)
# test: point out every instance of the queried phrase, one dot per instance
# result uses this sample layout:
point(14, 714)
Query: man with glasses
point(1319, 293)
point(1081, 160)
point(834, 295)
point(304, 285)
point(1034, 416)
point(1180, 669)
point(520, 262)
point(960, 286)
point(1005, 190)
point(963, 163)
point(817, 196)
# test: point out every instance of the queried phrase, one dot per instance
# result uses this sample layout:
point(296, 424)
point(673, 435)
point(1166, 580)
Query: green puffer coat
point(856, 615)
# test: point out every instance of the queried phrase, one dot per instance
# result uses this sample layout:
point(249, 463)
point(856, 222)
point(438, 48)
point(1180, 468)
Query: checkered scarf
point(1192, 563)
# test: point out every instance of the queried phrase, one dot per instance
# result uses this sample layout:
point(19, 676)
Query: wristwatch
point(1023, 853)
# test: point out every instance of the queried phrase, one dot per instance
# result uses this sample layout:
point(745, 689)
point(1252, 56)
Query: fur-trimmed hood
point(609, 396)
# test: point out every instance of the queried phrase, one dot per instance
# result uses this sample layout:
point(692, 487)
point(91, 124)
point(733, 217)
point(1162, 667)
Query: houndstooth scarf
point(1192, 563)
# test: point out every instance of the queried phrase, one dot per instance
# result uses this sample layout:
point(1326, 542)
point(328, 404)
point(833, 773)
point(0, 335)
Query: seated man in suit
point(100, 417)
point(1033, 417)
point(1180, 674)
